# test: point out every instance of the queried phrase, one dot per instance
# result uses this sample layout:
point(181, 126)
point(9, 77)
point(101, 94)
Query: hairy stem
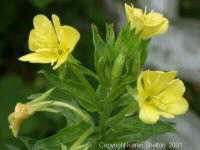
point(74, 109)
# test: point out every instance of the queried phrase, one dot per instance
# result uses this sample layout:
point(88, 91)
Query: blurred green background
point(18, 80)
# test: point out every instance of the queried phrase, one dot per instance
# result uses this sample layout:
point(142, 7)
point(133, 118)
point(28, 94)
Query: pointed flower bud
point(117, 68)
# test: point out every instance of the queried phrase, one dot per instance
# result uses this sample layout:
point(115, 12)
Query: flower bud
point(117, 69)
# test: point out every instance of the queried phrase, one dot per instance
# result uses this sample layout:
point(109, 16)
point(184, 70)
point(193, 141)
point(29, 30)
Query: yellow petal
point(69, 36)
point(150, 30)
point(156, 81)
point(141, 91)
point(135, 17)
point(175, 89)
point(44, 29)
point(164, 28)
point(56, 23)
point(178, 106)
point(167, 115)
point(36, 40)
point(149, 114)
point(41, 23)
point(153, 19)
point(129, 11)
point(61, 60)
point(41, 57)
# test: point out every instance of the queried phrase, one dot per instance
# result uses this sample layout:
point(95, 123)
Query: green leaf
point(99, 44)
point(63, 147)
point(85, 70)
point(125, 99)
point(116, 121)
point(73, 88)
point(134, 130)
point(101, 72)
point(102, 92)
point(115, 93)
point(66, 136)
point(144, 51)
point(11, 147)
point(110, 34)
point(29, 142)
point(138, 125)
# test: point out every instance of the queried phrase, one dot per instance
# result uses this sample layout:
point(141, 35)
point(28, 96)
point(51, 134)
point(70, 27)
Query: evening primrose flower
point(150, 24)
point(50, 43)
point(160, 94)
point(23, 111)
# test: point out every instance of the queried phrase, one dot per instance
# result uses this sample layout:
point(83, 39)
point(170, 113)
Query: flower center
point(156, 102)
point(60, 52)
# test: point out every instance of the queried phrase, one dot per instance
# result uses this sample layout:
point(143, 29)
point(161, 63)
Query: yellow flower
point(151, 24)
point(50, 43)
point(160, 94)
point(23, 111)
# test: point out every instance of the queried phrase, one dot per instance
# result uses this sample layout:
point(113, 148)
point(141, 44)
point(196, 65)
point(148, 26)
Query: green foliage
point(29, 142)
point(74, 88)
point(11, 147)
point(111, 56)
point(64, 137)
point(118, 61)
point(134, 130)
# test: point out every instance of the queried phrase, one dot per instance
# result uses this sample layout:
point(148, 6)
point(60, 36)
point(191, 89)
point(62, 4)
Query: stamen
point(145, 10)
point(152, 11)
point(132, 6)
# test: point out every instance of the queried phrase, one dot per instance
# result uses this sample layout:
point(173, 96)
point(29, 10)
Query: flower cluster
point(118, 63)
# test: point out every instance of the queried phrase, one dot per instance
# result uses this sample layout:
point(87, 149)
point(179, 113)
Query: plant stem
point(87, 85)
point(82, 138)
point(74, 109)
point(84, 81)
point(103, 117)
